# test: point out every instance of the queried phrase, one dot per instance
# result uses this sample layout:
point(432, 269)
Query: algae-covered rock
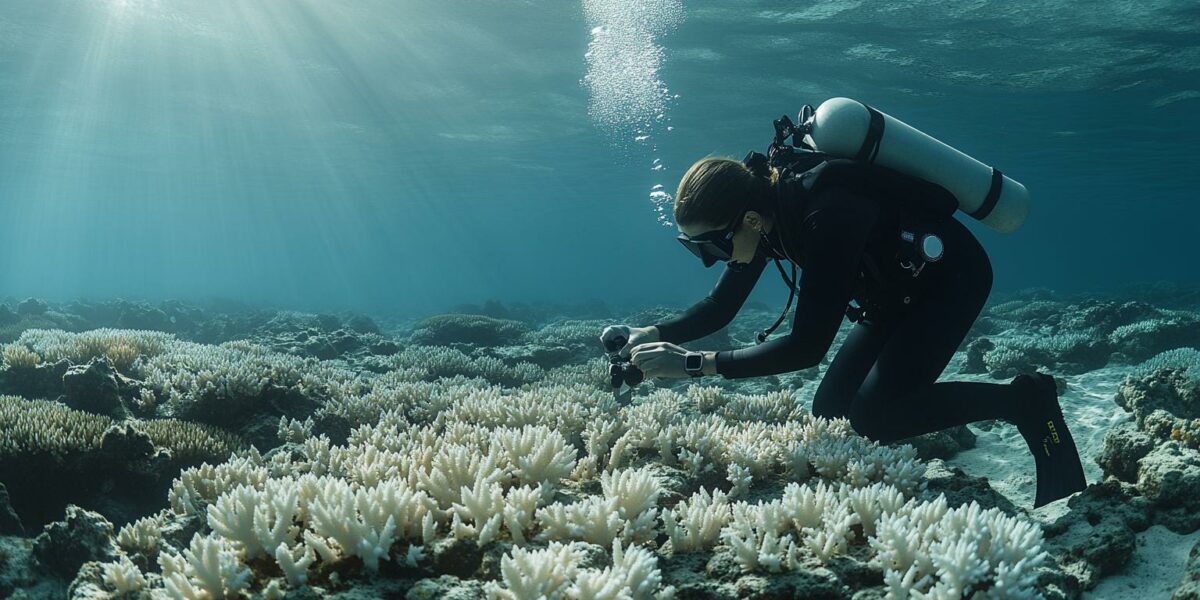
point(1124, 446)
point(1169, 476)
point(477, 330)
point(1189, 588)
point(974, 356)
point(942, 444)
point(123, 442)
point(1098, 536)
point(10, 523)
point(93, 388)
point(7, 316)
point(63, 546)
point(32, 307)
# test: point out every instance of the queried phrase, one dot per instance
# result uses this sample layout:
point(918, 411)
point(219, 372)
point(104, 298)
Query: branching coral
point(545, 468)
point(120, 346)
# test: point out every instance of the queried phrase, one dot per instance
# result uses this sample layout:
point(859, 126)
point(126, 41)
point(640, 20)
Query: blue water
point(405, 156)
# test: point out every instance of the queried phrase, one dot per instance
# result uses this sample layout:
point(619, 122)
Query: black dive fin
point(1059, 470)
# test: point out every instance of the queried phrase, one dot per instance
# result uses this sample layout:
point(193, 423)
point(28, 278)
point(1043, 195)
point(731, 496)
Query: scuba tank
point(847, 128)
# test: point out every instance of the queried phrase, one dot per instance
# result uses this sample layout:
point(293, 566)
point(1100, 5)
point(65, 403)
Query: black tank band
point(870, 145)
point(993, 196)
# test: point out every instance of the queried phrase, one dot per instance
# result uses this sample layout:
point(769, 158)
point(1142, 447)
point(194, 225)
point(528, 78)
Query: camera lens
point(633, 375)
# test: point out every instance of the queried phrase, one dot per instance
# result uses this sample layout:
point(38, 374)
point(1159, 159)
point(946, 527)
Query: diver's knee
point(828, 408)
point(871, 425)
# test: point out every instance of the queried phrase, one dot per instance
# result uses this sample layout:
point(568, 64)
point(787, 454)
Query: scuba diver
point(876, 245)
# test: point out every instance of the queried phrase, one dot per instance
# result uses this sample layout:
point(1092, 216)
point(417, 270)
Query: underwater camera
point(621, 372)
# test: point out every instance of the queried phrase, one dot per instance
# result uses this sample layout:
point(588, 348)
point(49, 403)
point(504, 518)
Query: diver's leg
point(899, 397)
point(846, 371)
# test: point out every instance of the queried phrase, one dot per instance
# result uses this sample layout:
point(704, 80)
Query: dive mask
point(713, 246)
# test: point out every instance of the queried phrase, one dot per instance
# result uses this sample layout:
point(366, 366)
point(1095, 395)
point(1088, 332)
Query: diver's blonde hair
point(716, 189)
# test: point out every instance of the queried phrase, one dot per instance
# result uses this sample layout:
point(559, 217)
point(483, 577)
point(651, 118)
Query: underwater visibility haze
point(310, 299)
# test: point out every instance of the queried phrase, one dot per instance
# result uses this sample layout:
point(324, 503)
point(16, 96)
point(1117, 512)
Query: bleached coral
point(198, 487)
point(209, 568)
point(929, 550)
point(120, 346)
point(559, 464)
point(695, 524)
point(123, 577)
point(554, 572)
point(142, 536)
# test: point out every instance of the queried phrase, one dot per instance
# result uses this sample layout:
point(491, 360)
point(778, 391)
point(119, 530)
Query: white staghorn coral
point(695, 524)
point(123, 577)
point(553, 464)
point(197, 487)
point(142, 536)
point(544, 573)
point(928, 550)
point(756, 536)
point(536, 455)
point(209, 568)
point(554, 573)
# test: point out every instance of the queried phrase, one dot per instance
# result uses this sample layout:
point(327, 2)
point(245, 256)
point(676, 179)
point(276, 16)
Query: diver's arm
point(717, 309)
point(834, 236)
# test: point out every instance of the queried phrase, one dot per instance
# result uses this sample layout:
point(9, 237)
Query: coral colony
point(246, 453)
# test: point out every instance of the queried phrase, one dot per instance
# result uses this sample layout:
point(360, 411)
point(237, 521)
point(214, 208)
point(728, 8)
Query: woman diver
point(887, 241)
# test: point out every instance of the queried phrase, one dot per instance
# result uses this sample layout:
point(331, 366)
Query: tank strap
point(870, 145)
point(993, 196)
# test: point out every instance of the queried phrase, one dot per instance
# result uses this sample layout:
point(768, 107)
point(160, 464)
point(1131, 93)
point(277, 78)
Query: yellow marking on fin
point(1053, 431)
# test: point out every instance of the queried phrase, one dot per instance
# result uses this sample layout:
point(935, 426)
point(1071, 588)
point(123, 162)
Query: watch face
point(693, 362)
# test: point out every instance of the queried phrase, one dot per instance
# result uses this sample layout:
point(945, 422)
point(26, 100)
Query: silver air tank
point(850, 129)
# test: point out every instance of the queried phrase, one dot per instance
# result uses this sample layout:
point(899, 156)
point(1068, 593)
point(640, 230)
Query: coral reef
point(1075, 337)
point(173, 451)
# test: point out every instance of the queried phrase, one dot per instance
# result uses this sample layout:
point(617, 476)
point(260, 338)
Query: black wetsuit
point(841, 224)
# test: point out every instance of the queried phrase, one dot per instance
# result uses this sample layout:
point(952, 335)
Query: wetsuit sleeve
point(834, 237)
point(717, 309)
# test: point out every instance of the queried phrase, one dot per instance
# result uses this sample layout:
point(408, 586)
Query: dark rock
point(960, 488)
point(93, 388)
point(362, 324)
point(125, 443)
point(42, 381)
point(19, 578)
point(10, 523)
point(1170, 390)
point(32, 307)
point(1169, 476)
point(1124, 446)
point(144, 316)
point(458, 557)
point(723, 567)
point(817, 584)
point(974, 360)
point(7, 316)
point(476, 330)
point(329, 322)
point(942, 444)
point(446, 587)
point(493, 554)
point(1098, 536)
point(63, 546)
point(1189, 588)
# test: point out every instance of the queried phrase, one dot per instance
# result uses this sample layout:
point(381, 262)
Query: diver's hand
point(633, 336)
point(660, 359)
